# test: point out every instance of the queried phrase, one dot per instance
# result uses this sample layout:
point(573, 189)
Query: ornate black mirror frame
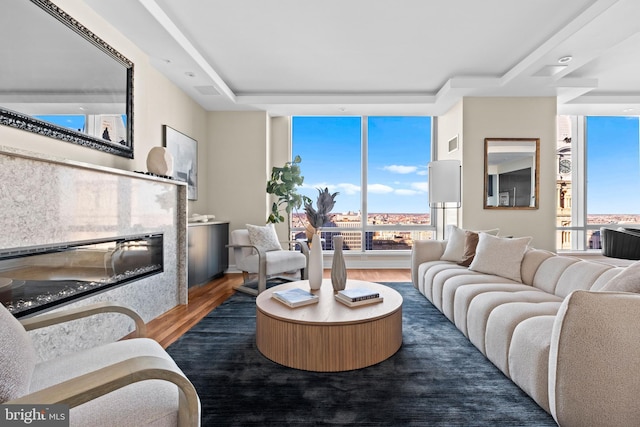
point(31, 124)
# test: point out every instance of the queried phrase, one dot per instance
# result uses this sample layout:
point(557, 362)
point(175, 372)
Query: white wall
point(279, 154)
point(237, 162)
point(533, 117)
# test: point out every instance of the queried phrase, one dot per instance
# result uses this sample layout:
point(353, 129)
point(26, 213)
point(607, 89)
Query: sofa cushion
point(456, 240)
point(264, 237)
point(605, 277)
point(482, 307)
point(581, 275)
point(448, 293)
point(443, 276)
point(549, 272)
point(626, 281)
point(502, 323)
point(465, 294)
point(529, 357)
point(427, 270)
point(530, 263)
point(500, 256)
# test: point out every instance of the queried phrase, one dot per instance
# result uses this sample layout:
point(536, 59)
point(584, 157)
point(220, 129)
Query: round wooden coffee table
point(329, 336)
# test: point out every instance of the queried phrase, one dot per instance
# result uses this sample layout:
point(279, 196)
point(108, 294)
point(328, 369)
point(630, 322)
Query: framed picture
point(504, 198)
point(453, 144)
point(185, 159)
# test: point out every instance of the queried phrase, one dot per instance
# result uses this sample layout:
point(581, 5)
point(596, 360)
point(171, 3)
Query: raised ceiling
point(388, 56)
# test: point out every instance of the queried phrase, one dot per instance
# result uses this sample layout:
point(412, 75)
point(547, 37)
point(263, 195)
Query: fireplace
point(36, 279)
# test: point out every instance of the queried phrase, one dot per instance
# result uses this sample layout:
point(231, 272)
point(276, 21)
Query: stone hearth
point(47, 200)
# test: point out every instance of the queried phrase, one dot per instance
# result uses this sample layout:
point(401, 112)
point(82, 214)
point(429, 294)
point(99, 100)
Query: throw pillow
point(454, 251)
point(470, 244)
point(500, 256)
point(264, 237)
point(628, 280)
point(455, 244)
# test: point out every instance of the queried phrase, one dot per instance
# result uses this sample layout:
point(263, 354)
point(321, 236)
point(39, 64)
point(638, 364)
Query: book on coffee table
point(358, 294)
point(348, 302)
point(295, 297)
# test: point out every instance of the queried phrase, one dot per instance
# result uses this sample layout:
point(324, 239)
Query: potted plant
point(284, 185)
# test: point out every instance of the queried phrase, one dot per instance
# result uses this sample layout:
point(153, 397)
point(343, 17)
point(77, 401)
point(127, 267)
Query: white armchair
point(252, 259)
point(131, 382)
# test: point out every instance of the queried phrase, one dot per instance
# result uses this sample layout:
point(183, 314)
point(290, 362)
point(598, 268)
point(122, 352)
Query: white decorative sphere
point(160, 161)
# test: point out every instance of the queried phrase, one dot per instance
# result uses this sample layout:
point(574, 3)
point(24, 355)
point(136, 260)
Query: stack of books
point(295, 297)
point(358, 296)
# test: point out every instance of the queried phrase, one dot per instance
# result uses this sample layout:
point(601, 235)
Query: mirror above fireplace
point(60, 80)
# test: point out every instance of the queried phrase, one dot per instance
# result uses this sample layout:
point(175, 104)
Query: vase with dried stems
point(316, 218)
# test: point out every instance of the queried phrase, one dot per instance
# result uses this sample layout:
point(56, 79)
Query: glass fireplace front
point(38, 278)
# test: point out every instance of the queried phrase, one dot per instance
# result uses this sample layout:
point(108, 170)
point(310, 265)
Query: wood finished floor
point(170, 326)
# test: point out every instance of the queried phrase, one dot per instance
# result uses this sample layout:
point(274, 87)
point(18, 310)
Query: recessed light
point(565, 59)
point(342, 109)
point(628, 110)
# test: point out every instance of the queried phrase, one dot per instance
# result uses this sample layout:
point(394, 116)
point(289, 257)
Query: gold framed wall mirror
point(511, 169)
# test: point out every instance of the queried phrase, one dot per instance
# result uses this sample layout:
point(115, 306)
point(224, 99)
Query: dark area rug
point(437, 378)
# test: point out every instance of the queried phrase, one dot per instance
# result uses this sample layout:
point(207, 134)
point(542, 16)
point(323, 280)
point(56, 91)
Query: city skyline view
point(397, 154)
point(613, 165)
point(399, 149)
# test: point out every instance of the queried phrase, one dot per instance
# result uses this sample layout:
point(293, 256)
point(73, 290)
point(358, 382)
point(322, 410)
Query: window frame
point(364, 226)
point(580, 228)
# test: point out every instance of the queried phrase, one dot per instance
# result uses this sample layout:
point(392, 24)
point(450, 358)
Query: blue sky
point(67, 121)
point(613, 165)
point(399, 150)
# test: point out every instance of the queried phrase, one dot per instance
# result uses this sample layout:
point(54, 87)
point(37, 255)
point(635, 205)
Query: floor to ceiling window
point(598, 177)
point(378, 165)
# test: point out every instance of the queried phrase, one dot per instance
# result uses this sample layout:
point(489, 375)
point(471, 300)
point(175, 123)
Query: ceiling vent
point(207, 90)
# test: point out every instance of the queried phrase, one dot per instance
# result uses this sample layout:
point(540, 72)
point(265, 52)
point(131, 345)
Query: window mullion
point(579, 215)
point(364, 180)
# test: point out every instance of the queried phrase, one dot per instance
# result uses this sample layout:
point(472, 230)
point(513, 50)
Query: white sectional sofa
point(550, 323)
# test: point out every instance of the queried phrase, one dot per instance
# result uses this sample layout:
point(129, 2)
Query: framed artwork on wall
point(453, 144)
point(185, 159)
point(504, 198)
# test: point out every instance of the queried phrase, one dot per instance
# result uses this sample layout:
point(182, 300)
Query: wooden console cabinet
point(207, 255)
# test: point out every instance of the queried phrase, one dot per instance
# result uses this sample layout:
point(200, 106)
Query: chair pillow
point(628, 280)
point(17, 358)
point(454, 251)
point(264, 237)
point(500, 256)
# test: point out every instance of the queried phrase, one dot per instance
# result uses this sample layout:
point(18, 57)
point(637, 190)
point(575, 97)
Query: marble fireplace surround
point(47, 200)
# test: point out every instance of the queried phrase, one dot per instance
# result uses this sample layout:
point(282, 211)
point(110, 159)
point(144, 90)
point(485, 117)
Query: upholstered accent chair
point(131, 382)
point(265, 261)
point(621, 243)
